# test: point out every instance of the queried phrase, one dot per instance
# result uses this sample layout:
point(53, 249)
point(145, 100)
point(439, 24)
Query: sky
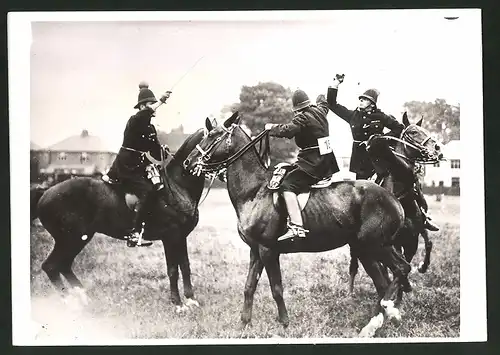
point(85, 74)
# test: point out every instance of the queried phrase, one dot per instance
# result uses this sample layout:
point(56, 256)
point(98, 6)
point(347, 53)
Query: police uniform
point(306, 127)
point(139, 137)
point(363, 126)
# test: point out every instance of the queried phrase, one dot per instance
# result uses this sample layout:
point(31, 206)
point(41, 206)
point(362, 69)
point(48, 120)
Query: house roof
point(34, 146)
point(83, 142)
point(174, 139)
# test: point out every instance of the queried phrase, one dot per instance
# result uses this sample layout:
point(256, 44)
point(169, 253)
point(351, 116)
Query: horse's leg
point(73, 246)
point(424, 265)
point(353, 268)
point(410, 247)
point(171, 256)
point(186, 274)
point(52, 265)
point(271, 262)
point(400, 269)
point(254, 272)
point(377, 273)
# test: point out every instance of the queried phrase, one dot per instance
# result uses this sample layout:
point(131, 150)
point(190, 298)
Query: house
point(35, 153)
point(445, 175)
point(174, 139)
point(82, 155)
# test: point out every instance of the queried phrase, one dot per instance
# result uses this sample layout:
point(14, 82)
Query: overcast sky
point(85, 75)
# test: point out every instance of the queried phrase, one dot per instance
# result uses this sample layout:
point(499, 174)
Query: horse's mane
point(188, 145)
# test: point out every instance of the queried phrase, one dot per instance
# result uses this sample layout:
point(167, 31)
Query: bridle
point(203, 165)
point(424, 154)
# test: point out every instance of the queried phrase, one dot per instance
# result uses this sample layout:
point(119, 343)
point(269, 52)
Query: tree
point(440, 118)
point(267, 102)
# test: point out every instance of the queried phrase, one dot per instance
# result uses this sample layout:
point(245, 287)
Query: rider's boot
point(295, 225)
point(422, 203)
point(135, 237)
point(428, 222)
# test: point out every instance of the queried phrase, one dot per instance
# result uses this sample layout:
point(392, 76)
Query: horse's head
point(212, 152)
point(419, 144)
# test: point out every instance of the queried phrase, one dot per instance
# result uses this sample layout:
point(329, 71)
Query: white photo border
point(472, 229)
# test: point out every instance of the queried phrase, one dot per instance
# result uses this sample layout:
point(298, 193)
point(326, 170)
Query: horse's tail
point(35, 194)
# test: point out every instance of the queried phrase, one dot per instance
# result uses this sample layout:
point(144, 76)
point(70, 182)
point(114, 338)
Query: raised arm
point(333, 105)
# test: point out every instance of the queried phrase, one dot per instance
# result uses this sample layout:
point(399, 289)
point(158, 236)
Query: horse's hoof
point(285, 322)
point(190, 302)
point(244, 325)
point(181, 309)
point(422, 268)
point(82, 295)
point(391, 311)
point(375, 323)
point(396, 320)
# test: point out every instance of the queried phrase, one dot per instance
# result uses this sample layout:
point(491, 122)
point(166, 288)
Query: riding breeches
point(297, 181)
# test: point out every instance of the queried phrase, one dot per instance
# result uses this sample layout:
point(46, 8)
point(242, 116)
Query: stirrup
point(135, 240)
point(294, 230)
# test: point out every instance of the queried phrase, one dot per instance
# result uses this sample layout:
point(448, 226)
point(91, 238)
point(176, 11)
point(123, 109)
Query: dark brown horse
point(74, 210)
point(345, 212)
point(396, 159)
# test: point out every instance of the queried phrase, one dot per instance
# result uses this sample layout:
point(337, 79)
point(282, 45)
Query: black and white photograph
point(247, 177)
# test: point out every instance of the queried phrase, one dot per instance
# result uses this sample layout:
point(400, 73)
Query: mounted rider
point(366, 121)
point(308, 125)
point(136, 158)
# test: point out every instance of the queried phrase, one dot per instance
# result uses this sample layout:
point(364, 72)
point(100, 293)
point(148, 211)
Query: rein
point(217, 166)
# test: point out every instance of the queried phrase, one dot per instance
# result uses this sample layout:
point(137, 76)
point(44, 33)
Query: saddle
point(153, 174)
point(279, 173)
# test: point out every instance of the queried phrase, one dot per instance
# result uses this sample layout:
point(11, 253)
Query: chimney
point(85, 133)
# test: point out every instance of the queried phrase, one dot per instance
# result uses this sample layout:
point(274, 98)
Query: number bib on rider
point(325, 146)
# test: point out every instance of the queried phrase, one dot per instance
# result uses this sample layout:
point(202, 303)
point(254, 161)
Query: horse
point(342, 213)
point(74, 210)
point(396, 159)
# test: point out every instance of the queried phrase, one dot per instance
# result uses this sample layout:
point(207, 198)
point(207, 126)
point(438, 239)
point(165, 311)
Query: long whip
point(179, 80)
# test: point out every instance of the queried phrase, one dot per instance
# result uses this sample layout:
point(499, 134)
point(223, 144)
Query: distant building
point(174, 139)
point(81, 155)
point(34, 161)
point(445, 175)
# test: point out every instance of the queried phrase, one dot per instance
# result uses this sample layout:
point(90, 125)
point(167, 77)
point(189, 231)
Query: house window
point(455, 163)
point(455, 182)
point(84, 157)
point(61, 156)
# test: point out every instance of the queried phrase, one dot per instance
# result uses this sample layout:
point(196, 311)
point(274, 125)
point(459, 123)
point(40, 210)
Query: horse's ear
point(208, 124)
point(419, 123)
point(233, 119)
point(406, 122)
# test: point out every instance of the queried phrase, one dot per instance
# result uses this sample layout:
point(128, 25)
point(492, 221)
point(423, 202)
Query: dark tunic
point(140, 136)
point(363, 125)
point(306, 128)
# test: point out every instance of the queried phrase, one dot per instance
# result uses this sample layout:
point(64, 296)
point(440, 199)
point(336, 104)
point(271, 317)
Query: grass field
point(129, 288)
